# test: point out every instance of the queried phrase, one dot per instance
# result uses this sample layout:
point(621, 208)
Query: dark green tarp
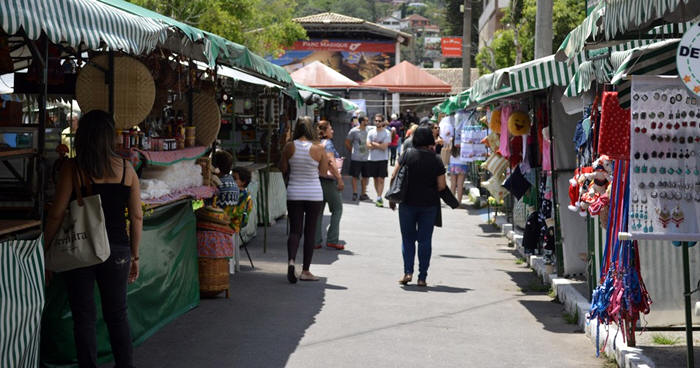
point(167, 287)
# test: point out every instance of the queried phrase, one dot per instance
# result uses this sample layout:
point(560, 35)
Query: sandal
point(406, 279)
point(291, 277)
point(307, 276)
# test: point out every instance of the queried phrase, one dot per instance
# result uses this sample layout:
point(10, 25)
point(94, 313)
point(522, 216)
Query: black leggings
point(111, 277)
point(302, 215)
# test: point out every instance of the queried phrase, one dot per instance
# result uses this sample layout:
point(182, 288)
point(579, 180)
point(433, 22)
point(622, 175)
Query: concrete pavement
point(481, 309)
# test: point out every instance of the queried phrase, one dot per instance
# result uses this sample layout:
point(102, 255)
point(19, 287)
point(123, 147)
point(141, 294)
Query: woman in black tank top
point(116, 182)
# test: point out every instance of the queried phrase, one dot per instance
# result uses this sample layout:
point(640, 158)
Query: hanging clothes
point(614, 135)
point(504, 148)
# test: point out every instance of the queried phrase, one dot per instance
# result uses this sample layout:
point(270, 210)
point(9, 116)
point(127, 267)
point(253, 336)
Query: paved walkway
point(478, 311)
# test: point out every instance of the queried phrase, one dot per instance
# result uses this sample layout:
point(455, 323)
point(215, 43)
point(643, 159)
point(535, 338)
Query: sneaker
point(364, 197)
point(379, 203)
point(335, 246)
point(354, 196)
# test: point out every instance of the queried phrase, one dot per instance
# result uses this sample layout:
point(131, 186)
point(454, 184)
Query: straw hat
point(206, 116)
point(134, 89)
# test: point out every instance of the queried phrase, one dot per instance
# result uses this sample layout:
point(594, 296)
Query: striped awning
point(82, 24)
point(453, 104)
point(532, 76)
point(622, 16)
point(655, 59)
point(600, 71)
point(611, 19)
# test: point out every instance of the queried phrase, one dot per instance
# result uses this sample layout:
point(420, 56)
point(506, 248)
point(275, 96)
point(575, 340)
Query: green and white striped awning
point(655, 59)
point(600, 71)
point(82, 24)
point(622, 16)
point(532, 76)
point(611, 19)
point(453, 104)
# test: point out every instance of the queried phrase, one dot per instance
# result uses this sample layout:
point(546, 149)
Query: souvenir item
point(614, 137)
point(495, 122)
point(519, 123)
point(517, 184)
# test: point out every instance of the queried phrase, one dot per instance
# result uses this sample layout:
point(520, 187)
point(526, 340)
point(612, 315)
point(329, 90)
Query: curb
point(576, 304)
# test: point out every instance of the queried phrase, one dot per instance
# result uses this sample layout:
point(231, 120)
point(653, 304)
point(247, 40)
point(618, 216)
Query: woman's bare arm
point(61, 198)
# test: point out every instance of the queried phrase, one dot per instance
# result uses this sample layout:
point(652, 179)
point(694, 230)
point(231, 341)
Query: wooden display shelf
point(16, 152)
point(11, 226)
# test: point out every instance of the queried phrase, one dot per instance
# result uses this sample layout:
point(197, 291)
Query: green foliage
point(265, 26)
point(567, 14)
point(660, 339)
point(519, 261)
point(571, 319)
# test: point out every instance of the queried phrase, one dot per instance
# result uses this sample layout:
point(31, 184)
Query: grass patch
point(610, 362)
point(571, 319)
point(660, 339)
point(519, 261)
point(535, 286)
point(552, 294)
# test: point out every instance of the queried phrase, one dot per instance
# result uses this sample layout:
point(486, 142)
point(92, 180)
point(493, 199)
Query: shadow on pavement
point(550, 315)
point(262, 323)
point(489, 229)
point(435, 288)
point(527, 281)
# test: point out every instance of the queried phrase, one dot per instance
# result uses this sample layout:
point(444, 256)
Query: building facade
point(490, 20)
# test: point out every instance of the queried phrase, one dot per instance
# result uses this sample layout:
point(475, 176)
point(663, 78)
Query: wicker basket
point(213, 276)
point(206, 117)
point(134, 89)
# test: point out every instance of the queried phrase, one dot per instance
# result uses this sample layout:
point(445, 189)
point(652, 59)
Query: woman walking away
point(115, 180)
point(418, 212)
point(303, 160)
point(458, 168)
point(332, 185)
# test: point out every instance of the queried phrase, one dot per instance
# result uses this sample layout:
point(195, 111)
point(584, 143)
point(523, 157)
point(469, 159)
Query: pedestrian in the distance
point(393, 146)
point(419, 210)
point(439, 144)
point(115, 180)
point(303, 161)
point(332, 185)
point(408, 142)
point(378, 140)
point(356, 143)
point(458, 168)
point(396, 124)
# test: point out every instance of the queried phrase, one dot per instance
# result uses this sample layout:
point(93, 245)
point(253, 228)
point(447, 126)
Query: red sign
point(451, 47)
point(345, 45)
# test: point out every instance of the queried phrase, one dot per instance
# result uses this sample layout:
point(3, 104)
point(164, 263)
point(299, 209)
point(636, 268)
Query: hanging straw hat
point(134, 89)
point(206, 116)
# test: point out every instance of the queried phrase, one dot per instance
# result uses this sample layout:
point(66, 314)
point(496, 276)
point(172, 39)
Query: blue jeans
point(417, 224)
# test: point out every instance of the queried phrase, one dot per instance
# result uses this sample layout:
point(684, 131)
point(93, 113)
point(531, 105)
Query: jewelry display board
point(665, 162)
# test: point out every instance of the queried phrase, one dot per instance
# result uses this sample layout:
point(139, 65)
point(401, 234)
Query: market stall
point(167, 118)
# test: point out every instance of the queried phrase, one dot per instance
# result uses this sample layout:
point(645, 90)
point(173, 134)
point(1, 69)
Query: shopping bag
point(81, 240)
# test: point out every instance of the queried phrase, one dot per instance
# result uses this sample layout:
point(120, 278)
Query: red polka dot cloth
point(614, 137)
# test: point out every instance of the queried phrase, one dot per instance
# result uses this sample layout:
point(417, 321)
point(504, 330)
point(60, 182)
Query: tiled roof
point(329, 18)
point(452, 76)
point(416, 17)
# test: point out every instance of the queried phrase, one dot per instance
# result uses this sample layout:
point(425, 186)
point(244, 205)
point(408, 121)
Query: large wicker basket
point(213, 277)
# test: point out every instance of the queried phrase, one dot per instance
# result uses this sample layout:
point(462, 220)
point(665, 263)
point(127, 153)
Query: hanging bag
point(81, 241)
point(399, 184)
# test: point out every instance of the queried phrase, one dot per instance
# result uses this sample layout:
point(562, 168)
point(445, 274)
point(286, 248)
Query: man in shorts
point(356, 142)
point(378, 141)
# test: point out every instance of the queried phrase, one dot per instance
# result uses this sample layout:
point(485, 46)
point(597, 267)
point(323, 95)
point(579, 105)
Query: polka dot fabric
point(614, 138)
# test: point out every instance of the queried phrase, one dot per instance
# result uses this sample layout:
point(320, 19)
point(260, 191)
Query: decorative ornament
point(519, 123)
point(495, 123)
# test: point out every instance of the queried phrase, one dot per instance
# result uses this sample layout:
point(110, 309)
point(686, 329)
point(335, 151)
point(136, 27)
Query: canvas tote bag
point(81, 240)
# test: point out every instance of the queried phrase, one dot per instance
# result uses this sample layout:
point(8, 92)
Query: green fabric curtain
point(82, 22)
point(167, 287)
point(21, 301)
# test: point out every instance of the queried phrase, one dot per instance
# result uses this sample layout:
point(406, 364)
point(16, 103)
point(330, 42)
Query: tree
point(454, 23)
point(516, 42)
point(264, 26)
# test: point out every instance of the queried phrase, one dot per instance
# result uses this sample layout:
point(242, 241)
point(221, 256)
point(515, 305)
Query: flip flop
point(291, 277)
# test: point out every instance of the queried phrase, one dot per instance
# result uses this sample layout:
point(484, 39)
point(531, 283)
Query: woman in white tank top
point(303, 159)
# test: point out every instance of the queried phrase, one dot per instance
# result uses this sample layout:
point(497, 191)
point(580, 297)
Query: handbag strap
point(77, 181)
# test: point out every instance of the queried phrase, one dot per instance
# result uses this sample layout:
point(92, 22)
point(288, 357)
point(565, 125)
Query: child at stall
point(240, 212)
point(228, 189)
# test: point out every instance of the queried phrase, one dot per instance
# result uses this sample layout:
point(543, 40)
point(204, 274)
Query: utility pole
point(543, 28)
point(467, 46)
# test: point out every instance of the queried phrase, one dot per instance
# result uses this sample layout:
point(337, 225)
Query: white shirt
point(447, 130)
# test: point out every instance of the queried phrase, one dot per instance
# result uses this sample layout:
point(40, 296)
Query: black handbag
point(398, 186)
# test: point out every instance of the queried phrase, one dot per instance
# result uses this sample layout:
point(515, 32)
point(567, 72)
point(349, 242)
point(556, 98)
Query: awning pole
point(688, 316)
point(110, 82)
